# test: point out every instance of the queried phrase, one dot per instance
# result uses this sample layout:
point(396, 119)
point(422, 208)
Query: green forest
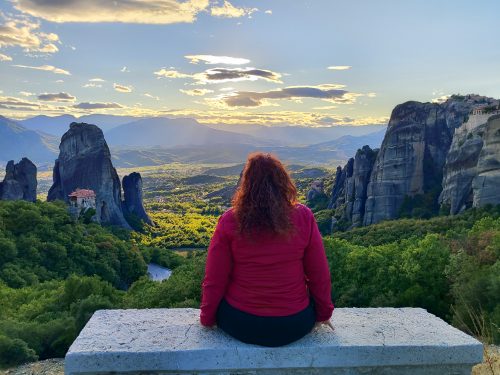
point(54, 272)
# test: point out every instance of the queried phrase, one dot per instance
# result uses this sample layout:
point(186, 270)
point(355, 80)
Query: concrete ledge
point(365, 341)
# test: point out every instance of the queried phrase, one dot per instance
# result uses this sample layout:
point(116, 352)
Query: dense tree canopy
point(39, 242)
point(54, 273)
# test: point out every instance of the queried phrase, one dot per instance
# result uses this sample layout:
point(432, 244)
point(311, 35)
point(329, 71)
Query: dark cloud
point(88, 105)
point(325, 92)
point(60, 97)
point(240, 74)
point(17, 104)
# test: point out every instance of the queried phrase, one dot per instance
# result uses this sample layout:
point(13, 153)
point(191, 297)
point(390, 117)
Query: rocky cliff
point(350, 190)
point(486, 184)
point(460, 169)
point(19, 181)
point(412, 155)
point(132, 191)
point(418, 145)
point(85, 162)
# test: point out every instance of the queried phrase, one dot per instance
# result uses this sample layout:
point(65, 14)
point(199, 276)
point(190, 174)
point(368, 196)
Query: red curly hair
point(265, 197)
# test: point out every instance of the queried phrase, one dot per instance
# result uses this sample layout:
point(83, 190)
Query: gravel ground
point(49, 367)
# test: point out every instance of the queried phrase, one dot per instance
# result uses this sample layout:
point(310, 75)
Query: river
point(158, 273)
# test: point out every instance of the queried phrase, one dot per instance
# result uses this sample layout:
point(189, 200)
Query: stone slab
point(365, 341)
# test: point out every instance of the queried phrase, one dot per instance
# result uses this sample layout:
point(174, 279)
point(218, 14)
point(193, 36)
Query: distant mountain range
point(299, 135)
point(153, 141)
point(166, 132)
point(326, 153)
point(17, 142)
point(58, 125)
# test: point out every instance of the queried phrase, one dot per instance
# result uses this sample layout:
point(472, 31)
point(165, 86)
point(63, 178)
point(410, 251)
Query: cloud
point(91, 85)
point(340, 67)
point(171, 73)
point(279, 117)
point(228, 10)
point(239, 74)
point(94, 83)
point(205, 116)
point(269, 11)
point(90, 105)
point(21, 32)
point(219, 75)
point(330, 93)
point(12, 103)
point(125, 11)
point(60, 97)
point(440, 99)
point(210, 59)
point(122, 88)
point(26, 93)
point(5, 57)
point(125, 70)
point(196, 92)
point(147, 95)
point(325, 108)
point(48, 68)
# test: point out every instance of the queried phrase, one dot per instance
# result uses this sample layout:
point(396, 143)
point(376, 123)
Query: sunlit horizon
point(321, 63)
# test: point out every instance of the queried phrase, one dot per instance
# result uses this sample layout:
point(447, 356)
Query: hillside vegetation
point(54, 273)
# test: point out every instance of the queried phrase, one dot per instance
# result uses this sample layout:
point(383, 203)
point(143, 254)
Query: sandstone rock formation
point(132, 191)
point(19, 181)
point(412, 155)
point(354, 178)
point(416, 148)
point(486, 184)
point(338, 191)
point(460, 170)
point(85, 162)
point(316, 190)
point(357, 189)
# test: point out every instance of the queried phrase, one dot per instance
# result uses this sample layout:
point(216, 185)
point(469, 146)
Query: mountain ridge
point(16, 142)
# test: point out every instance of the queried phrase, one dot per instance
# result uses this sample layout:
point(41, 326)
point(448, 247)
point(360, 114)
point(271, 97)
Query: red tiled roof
point(82, 193)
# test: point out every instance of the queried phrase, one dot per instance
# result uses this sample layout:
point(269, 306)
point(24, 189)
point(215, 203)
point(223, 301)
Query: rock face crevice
point(19, 182)
point(85, 162)
point(486, 184)
point(428, 148)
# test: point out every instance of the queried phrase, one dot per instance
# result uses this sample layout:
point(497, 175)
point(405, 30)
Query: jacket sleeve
point(318, 273)
point(217, 272)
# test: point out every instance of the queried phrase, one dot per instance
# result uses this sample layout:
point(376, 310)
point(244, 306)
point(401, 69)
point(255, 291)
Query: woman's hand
point(325, 323)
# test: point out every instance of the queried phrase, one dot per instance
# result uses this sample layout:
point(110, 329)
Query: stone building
point(80, 201)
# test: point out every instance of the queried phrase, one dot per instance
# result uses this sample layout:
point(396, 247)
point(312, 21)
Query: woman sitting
point(267, 280)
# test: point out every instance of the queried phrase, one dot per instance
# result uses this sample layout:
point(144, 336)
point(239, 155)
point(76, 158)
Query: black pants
point(265, 330)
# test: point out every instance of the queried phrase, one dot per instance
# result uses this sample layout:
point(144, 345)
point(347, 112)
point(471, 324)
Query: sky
point(311, 63)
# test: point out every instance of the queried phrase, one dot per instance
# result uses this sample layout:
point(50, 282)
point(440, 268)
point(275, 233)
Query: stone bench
point(365, 341)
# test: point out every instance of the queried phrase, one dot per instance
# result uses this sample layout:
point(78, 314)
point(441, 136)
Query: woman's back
point(267, 278)
point(267, 274)
point(266, 263)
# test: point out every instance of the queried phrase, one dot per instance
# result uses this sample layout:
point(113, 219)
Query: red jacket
point(268, 275)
